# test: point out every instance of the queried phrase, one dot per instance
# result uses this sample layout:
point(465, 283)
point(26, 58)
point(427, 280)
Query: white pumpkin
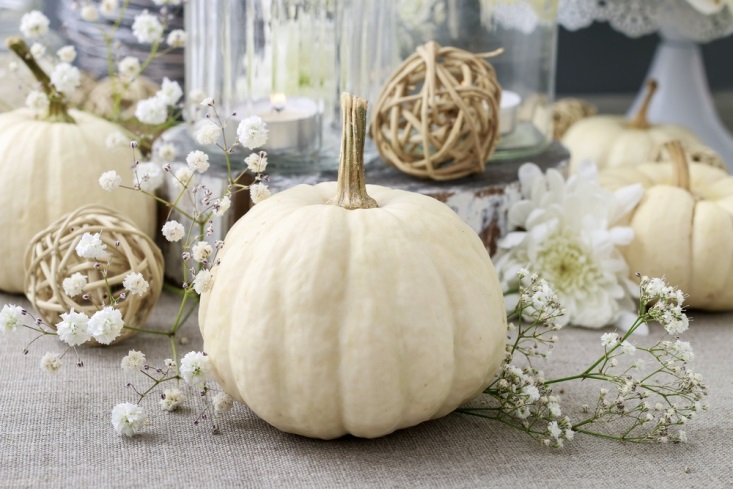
point(613, 140)
point(353, 315)
point(683, 227)
point(50, 168)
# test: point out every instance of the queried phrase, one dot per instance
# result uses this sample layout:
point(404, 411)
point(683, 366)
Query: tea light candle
point(292, 123)
point(508, 111)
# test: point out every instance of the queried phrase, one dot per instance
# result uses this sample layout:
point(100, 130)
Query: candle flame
point(278, 101)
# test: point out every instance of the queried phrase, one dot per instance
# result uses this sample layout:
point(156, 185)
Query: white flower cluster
point(147, 28)
point(128, 419)
point(667, 308)
point(154, 110)
point(92, 247)
point(65, 77)
point(171, 399)
point(567, 230)
point(34, 24)
point(10, 317)
point(196, 369)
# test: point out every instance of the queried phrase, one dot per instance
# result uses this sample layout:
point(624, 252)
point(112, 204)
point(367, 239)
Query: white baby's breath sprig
point(128, 419)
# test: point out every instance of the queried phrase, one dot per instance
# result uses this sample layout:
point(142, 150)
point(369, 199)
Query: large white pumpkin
point(327, 317)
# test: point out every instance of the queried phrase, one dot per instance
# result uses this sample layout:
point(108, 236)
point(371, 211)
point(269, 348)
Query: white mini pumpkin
point(353, 315)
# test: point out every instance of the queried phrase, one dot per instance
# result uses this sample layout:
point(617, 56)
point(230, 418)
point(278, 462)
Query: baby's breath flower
point(134, 360)
point(628, 348)
point(683, 350)
point(110, 180)
point(171, 399)
point(201, 251)
point(34, 24)
point(128, 419)
point(203, 281)
point(37, 101)
point(207, 102)
point(89, 13)
point(223, 402)
point(167, 152)
point(196, 95)
point(37, 49)
point(129, 67)
point(135, 283)
point(148, 176)
point(176, 38)
point(554, 430)
point(195, 368)
point(109, 7)
point(146, 28)
point(170, 92)
point(153, 111)
point(51, 362)
point(67, 54)
point(173, 231)
point(609, 339)
point(65, 77)
point(258, 192)
point(10, 317)
point(74, 328)
point(222, 206)
point(208, 134)
point(106, 325)
point(252, 132)
point(184, 175)
point(91, 246)
point(256, 162)
point(169, 363)
point(116, 139)
point(198, 161)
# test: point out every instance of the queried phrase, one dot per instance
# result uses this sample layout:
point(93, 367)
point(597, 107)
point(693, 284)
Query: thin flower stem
point(162, 201)
point(174, 353)
point(149, 331)
point(177, 323)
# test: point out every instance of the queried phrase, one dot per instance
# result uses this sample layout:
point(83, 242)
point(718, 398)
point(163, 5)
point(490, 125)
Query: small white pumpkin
point(52, 167)
point(613, 140)
point(683, 227)
point(353, 314)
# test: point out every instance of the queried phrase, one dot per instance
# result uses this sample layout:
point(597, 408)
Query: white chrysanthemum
point(34, 24)
point(196, 95)
point(147, 28)
point(37, 50)
point(74, 285)
point(51, 362)
point(258, 192)
point(567, 231)
point(10, 317)
point(184, 175)
point(135, 283)
point(91, 246)
point(256, 162)
point(201, 251)
point(128, 419)
point(110, 180)
point(129, 67)
point(176, 38)
point(170, 92)
point(134, 360)
point(195, 368)
point(109, 7)
point(222, 206)
point(67, 54)
point(252, 132)
point(38, 102)
point(208, 134)
point(222, 402)
point(73, 328)
point(106, 325)
point(166, 152)
point(151, 111)
point(198, 161)
point(149, 176)
point(173, 230)
point(65, 77)
point(116, 140)
point(89, 13)
point(171, 399)
point(203, 281)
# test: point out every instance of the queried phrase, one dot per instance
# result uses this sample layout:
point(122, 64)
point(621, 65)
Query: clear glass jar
point(272, 58)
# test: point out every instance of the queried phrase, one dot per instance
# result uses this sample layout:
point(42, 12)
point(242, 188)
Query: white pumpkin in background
point(352, 314)
point(612, 140)
point(51, 167)
point(683, 227)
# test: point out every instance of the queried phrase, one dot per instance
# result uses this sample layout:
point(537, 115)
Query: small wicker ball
point(100, 100)
point(568, 111)
point(51, 257)
point(438, 114)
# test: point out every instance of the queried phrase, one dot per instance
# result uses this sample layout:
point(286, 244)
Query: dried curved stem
point(640, 120)
point(679, 164)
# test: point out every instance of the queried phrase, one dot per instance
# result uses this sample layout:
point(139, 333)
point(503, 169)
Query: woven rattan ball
point(568, 111)
point(438, 114)
point(51, 257)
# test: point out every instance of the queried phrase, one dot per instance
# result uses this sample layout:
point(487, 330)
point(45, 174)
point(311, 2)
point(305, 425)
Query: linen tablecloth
point(55, 431)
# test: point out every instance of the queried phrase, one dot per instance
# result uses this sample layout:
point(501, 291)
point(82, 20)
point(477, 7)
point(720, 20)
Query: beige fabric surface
point(55, 432)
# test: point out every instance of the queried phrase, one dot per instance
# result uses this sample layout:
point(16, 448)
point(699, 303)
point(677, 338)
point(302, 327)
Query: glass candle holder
point(270, 58)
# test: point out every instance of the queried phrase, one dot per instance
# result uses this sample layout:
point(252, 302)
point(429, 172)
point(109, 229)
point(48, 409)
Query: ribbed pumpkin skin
point(49, 169)
point(687, 237)
point(327, 321)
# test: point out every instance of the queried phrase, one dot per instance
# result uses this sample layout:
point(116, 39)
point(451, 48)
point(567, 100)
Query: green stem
point(149, 331)
point(177, 323)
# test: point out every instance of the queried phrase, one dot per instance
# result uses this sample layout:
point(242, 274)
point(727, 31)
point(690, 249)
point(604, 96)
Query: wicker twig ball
point(100, 100)
point(568, 111)
point(51, 257)
point(438, 114)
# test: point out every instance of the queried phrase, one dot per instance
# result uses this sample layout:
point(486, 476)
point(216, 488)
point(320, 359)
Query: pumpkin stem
point(679, 164)
point(640, 120)
point(351, 186)
point(57, 109)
